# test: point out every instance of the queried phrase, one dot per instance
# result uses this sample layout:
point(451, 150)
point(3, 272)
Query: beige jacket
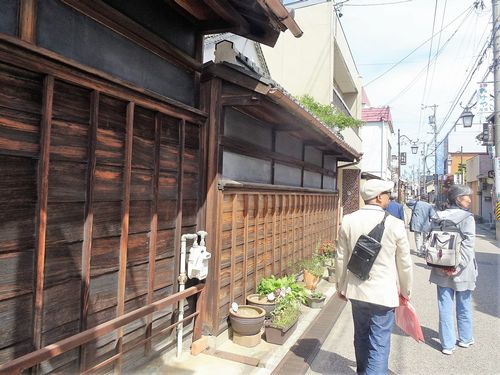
point(392, 267)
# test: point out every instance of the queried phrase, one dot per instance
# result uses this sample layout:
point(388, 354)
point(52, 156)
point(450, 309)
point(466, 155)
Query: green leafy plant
point(286, 313)
point(279, 287)
point(327, 251)
point(328, 114)
point(314, 265)
point(317, 294)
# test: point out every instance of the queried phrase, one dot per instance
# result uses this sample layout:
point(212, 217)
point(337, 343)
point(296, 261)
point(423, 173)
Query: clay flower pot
point(310, 280)
point(262, 302)
point(248, 320)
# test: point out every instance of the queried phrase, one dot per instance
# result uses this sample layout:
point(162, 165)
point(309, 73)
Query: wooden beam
point(89, 220)
point(122, 270)
point(27, 20)
point(226, 11)
point(241, 100)
point(43, 192)
point(249, 149)
point(18, 53)
point(153, 238)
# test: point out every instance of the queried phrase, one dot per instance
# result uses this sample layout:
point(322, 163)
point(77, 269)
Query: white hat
point(372, 188)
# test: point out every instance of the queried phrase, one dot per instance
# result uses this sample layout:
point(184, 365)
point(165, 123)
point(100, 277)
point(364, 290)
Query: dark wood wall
point(101, 173)
point(96, 190)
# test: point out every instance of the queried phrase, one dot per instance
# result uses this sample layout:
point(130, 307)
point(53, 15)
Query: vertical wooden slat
point(282, 237)
point(180, 197)
point(255, 239)
point(153, 237)
point(43, 191)
point(27, 20)
point(232, 280)
point(265, 239)
point(245, 245)
point(274, 234)
point(89, 220)
point(217, 270)
point(294, 242)
point(122, 270)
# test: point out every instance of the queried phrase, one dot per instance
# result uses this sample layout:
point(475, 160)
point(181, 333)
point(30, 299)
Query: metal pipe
point(182, 278)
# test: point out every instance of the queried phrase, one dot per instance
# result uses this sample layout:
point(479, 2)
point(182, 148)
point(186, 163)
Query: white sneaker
point(448, 351)
point(465, 344)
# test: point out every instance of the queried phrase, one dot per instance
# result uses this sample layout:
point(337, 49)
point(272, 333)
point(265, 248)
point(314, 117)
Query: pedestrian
point(457, 283)
point(373, 301)
point(420, 221)
point(395, 208)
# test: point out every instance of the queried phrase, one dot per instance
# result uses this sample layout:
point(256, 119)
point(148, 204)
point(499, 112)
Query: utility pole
point(432, 123)
point(399, 166)
point(496, 79)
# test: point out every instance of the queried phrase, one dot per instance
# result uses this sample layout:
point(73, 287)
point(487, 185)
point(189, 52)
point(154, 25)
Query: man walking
point(394, 208)
point(420, 221)
point(374, 300)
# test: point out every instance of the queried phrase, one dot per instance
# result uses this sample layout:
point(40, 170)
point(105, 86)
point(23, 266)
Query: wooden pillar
point(180, 198)
point(122, 270)
point(89, 220)
point(27, 20)
point(153, 237)
point(232, 279)
point(43, 192)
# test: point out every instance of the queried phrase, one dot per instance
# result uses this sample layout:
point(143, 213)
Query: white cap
point(372, 188)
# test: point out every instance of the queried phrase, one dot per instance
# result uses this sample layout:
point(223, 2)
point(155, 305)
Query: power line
point(430, 50)
point(422, 44)
point(377, 4)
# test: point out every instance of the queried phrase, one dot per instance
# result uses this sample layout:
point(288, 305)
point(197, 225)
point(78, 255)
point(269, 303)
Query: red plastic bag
point(406, 319)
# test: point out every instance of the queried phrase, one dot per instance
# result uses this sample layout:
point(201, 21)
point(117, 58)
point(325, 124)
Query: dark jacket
point(396, 210)
point(420, 219)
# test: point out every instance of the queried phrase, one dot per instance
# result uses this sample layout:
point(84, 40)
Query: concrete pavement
point(336, 354)
point(409, 357)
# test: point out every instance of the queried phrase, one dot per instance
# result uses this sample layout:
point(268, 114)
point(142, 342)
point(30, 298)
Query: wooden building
point(271, 182)
point(102, 153)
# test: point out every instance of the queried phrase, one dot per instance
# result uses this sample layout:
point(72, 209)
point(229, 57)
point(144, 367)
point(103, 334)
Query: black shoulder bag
point(366, 250)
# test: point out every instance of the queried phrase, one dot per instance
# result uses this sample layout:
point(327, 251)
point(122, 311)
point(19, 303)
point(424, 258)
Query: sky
point(380, 36)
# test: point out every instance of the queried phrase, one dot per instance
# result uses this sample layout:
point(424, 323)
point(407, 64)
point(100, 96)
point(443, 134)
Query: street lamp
point(414, 150)
point(467, 115)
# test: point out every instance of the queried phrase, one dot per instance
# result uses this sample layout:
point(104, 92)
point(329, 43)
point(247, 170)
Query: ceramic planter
point(279, 335)
point(248, 320)
point(262, 302)
point(310, 280)
point(315, 303)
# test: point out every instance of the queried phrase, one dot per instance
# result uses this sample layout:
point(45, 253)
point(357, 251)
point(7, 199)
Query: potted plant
point(246, 320)
point(328, 251)
point(313, 271)
point(315, 299)
point(270, 288)
point(283, 320)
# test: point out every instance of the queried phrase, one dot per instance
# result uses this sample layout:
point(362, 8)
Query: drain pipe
point(182, 283)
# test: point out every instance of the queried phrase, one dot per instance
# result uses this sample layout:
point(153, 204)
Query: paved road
point(409, 357)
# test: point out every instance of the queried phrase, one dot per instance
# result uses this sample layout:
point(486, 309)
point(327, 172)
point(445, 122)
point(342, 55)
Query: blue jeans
point(372, 336)
point(464, 316)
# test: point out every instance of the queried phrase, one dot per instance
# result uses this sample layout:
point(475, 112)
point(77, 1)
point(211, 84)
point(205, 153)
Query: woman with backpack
point(457, 283)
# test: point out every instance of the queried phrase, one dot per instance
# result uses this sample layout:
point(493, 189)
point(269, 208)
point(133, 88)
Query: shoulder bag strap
point(377, 232)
